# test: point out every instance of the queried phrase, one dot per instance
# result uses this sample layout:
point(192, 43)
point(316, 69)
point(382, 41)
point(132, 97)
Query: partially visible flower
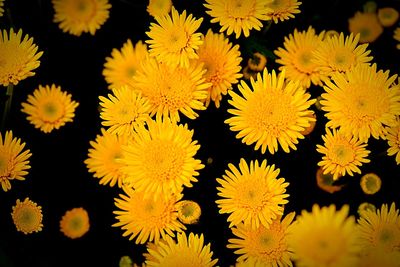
point(330, 34)
point(257, 62)
point(249, 73)
point(376, 256)
point(393, 140)
point(188, 211)
point(159, 8)
point(387, 16)
point(283, 9)
point(27, 216)
point(326, 181)
point(370, 183)
point(396, 36)
point(365, 206)
point(313, 123)
point(75, 223)
point(1, 8)
point(367, 25)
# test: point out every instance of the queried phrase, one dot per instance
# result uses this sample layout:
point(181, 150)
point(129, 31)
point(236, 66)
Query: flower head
point(1, 8)
point(188, 211)
point(370, 183)
point(283, 9)
point(363, 207)
point(75, 223)
point(27, 216)
point(393, 139)
point(257, 62)
point(159, 8)
point(396, 36)
point(367, 25)
point(387, 16)
point(326, 181)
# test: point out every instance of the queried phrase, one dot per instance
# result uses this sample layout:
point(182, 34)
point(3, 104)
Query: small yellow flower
point(367, 25)
point(365, 206)
point(396, 36)
point(388, 16)
point(188, 211)
point(158, 8)
point(27, 216)
point(257, 62)
point(75, 223)
point(326, 182)
point(370, 183)
point(1, 8)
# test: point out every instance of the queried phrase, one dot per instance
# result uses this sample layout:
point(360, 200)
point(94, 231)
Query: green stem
point(7, 105)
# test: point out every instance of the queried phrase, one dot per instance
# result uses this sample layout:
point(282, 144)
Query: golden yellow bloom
point(173, 39)
point(326, 181)
point(1, 8)
point(367, 25)
point(362, 102)
point(123, 64)
point(273, 111)
point(159, 7)
point(370, 183)
point(263, 246)
point(18, 57)
point(363, 207)
point(396, 36)
point(387, 16)
point(79, 16)
point(257, 62)
point(324, 237)
point(49, 108)
point(75, 223)
point(188, 211)
point(237, 16)
point(283, 9)
point(393, 140)
point(27, 216)
point(252, 194)
point(14, 162)
point(342, 154)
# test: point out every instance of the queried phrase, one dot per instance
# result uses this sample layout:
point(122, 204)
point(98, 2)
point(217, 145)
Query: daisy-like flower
point(173, 39)
point(188, 211)
point(342, 154)
point(252, 194)
point(362, 102)
point(18, 57)
point(123, 110)
point(396, 36)
point(324, 237)
point(103, 158)
point(237, 16)
point(186, 251)
point(340, 54)
point(283, 9)
point(27, 216)
point(297, 57)
point(367, 25)
point(387, 16)
point(123, 64)
point(273, 111)
point(263, 246)
point(222, 62)
point(14, 161)
point(49, 108)
point(172, 90)
point(393, 140)
point(370, 183)
point(1, 8)
point(79, 16)
point(147, 219)
point(159, 8)
point(160, 158)
point(75, 223)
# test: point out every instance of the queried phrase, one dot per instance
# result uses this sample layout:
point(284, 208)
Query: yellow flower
point(363, 207)
point(75, 223)
point(186, 251)
point(18, 57)
point(123, 64)
point(373, 257)
point(160, 158)
point(78, 16)
point(252, 194)
point(297, 57)
point(283, 9)
point(362, 101)
point(342, 154)
point(396, 36)
point(387, 16)
point(147, 219)
point(1, 8)
point(263, 246)
point(324, 237)
point(49, 108)
point(237, 16)
point(173, 39)
point(159, 7)
point(123, 110)
point(393, 140)
point(370, 183)
point(222, 62)
point(330, 34)
point(27, 216)
point(326, 181)
point(272, 111)
point(14, 162)
point(367, 25)
point(257, 62)
point(188, 211)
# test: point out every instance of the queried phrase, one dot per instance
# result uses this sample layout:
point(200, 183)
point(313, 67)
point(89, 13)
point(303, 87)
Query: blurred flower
point(257, 62)
point(49, 108)
point(373, 257)
point(188, 211)
point(363, 207)
point(370, 183)
point(367, 25)
point(14, 162)
point(75, 223)
point(283, 9)
point(78, 16)
point(1, 8)
point(159, 8)
point(393, 140)
point(310, 128)
point(18, 57)
point(396, 36)
point(387, 16)
point(27, 216)
point(249, 73)
point(125, 261)
point(326, 181)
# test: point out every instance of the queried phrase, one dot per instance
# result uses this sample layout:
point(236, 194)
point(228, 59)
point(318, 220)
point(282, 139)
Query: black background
point(59, 180)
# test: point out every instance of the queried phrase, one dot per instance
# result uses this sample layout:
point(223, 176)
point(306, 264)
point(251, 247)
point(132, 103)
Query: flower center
point(342, 154)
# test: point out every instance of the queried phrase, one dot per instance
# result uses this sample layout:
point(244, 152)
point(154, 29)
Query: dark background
point(59, 180)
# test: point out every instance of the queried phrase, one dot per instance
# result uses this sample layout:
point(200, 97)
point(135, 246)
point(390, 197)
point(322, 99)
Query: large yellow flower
point(252, 194)
point(18, 57)
point(75, 223)
point(78, 16)
point(393, 140)
point(27, 216)
point(362, 102)
point(159, 7)
point(173, 39)
point(367, 25)
point(283, 9)
point(49, 108)
point(273, 111)
point(14, 162)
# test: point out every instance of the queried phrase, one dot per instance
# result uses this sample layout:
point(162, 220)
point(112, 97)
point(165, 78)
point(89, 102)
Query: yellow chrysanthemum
point(252, 194)
point(272, 111)
point(173, 39)
point(49, 108)
point(123, 110)
point(283, 9)
point(188, 211)
point(396, 36)
point(103, 158)
point(14, 162)
point(159, 8)
point(393, 140)
point(1, 8)
point(123, 64)
point(222, 62)
point(186, 251)
point(324, 237)
point(297, 57)
point(387, 16)
point(79, 16)
point(160, 158)
point(362, 102)
point(263, 246)
point(342, 154)
point(18, 57)
point(370, 183)
point(75, 223)
point(27, 216)
point(339, 54)
point(237, 16)
point(367, 25)
point(172, 90)
point(147, 219)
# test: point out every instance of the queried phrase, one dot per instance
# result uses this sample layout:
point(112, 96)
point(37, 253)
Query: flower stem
point(7, 105)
